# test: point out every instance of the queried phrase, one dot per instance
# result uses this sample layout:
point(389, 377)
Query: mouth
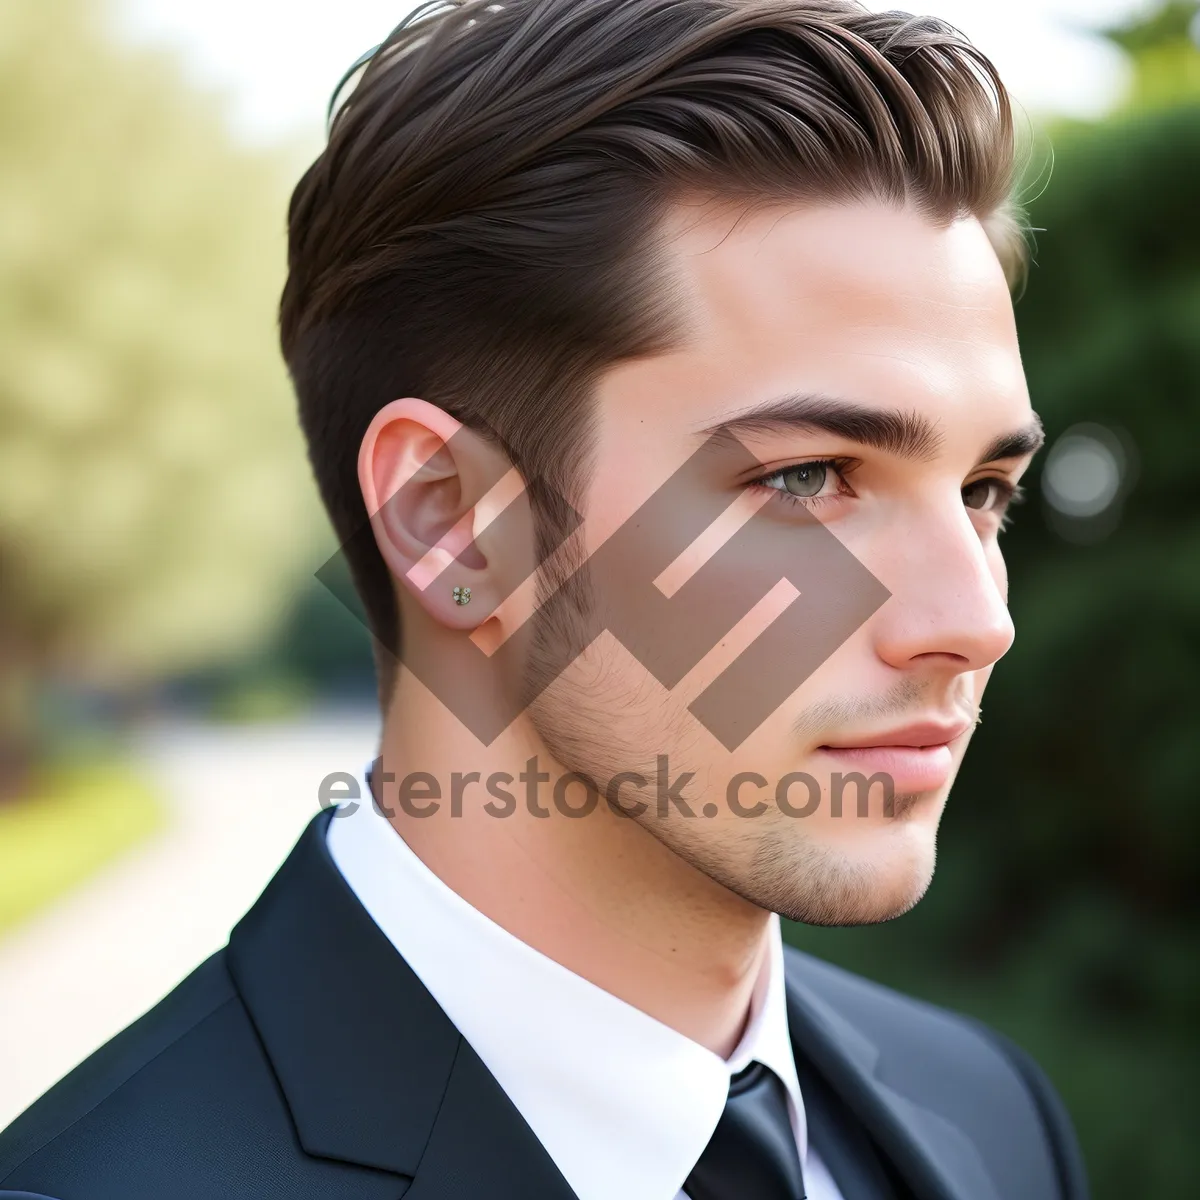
point(917, 758)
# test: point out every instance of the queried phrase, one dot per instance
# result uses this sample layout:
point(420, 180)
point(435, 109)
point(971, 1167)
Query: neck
point(597, 893)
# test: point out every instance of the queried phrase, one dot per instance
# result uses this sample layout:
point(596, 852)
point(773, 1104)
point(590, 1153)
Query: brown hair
point(480, 230)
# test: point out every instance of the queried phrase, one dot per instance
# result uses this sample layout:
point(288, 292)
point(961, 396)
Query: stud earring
point(462, 595)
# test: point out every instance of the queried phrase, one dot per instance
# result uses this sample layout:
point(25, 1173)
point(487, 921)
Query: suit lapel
point(481, 1146)
point(932, 1155)
point(372, 1069)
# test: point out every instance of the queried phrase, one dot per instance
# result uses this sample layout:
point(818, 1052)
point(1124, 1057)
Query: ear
point(432, 486)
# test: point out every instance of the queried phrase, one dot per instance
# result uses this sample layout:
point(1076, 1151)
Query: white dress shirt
point(623, 1104)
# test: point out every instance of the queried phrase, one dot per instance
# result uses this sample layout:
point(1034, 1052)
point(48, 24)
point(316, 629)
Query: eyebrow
point(907, 435)
point(1024, 441)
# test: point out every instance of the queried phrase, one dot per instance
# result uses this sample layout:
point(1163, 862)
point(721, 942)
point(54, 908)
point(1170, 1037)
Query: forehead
point(862, 300)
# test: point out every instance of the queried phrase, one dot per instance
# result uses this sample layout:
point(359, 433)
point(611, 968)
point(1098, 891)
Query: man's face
point(893, 341)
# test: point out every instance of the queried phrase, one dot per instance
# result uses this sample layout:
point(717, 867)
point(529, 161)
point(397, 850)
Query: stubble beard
point(773, 863)
point(579, 712)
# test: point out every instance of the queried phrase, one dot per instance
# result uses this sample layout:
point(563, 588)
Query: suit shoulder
point(889, 1018)
point(953, 1063)
point(92, 1084)
point(914, 1035)
point(183, 1103)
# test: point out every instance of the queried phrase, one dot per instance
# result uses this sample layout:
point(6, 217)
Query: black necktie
point(752, 1153)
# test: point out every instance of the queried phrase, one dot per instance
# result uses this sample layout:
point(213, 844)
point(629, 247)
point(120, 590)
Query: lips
point(917, 757)
point(921, 735)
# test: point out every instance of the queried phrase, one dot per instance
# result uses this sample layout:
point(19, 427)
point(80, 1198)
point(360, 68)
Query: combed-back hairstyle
point(480, 230)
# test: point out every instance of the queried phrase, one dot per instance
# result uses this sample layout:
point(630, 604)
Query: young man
point(658, 366)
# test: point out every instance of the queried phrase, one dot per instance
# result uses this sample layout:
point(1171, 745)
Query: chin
point(875, 880)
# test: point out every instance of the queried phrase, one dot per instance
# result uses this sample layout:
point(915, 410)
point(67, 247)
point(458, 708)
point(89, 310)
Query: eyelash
point(1010, 493)
point(1015, 494)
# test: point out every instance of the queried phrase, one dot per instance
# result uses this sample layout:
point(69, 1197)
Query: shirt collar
point(623, 1104)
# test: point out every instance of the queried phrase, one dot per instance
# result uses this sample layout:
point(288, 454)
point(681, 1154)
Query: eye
point(988, 495)
point(806, 479)
point(810, 482)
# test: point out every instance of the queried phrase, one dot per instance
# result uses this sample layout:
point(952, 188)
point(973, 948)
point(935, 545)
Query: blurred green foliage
point(1161, 45)
point(155, 503)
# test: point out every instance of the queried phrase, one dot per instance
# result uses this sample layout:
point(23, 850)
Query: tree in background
point(155, 505)
point(1162, 49)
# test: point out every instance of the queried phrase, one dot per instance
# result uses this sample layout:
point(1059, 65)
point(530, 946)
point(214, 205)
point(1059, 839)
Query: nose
point(948, 605)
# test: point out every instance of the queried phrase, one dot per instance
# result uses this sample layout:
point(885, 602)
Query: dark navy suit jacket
point(307, 1060)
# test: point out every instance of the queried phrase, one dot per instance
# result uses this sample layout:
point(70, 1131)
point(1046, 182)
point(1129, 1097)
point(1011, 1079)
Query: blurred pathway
point(84, 968)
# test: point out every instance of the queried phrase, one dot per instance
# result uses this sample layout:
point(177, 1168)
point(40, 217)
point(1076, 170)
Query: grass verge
point(70, 822)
